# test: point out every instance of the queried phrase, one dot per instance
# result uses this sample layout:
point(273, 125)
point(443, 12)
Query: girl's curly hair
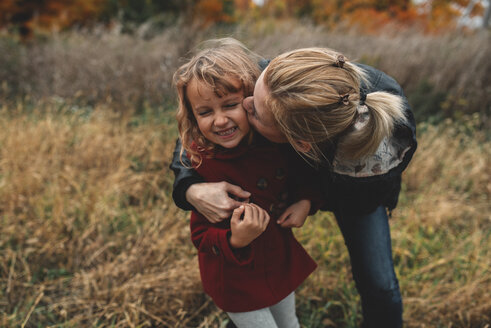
point(218, 64)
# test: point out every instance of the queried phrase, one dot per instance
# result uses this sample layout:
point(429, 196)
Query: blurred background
point(89, 234)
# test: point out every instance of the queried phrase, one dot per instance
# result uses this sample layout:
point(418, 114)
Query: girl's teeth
point(224, 133)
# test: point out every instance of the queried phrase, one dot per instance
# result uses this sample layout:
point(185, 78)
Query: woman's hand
point(295, 215)
point(245, 230)
point(214, 199)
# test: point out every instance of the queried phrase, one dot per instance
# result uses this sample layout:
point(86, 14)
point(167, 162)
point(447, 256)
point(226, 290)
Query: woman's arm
point(304, 188)
point(212, 199)
point(295, 215)
point(184, 177)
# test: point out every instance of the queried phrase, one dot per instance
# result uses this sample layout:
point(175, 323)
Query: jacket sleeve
point(213, 239)
point(304, 180)
point(184, 177)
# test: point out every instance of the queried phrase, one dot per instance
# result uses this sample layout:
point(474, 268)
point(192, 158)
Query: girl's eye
point(232, 105)
point(204, 113)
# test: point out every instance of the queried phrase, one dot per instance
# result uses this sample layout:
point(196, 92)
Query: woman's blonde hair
point(314, 95)
point(218, 65)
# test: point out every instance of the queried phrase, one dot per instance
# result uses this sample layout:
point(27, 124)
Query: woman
point(353, 123)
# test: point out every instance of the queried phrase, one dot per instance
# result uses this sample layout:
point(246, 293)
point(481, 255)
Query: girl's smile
point(227, 133)
point(221, 118)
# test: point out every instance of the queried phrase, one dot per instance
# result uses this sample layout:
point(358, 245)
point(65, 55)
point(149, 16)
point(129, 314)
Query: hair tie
point(363, 97)
point(344, 99)
point(340, 61)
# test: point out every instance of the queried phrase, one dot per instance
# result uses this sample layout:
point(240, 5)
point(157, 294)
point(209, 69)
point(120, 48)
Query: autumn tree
point(27, 15)
point(371, 15)
point(214, 11)
point(433, 15)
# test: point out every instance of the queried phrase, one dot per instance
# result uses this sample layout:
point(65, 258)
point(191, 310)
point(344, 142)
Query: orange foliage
point(408, 16)
point(276, 8)
point(433, 15)
point(58, 14)
point(439, 15)
point(369, 19)
point(243, 5)
point(48, 14)
point(371, 15)
point(212, 11)
point(325, 12)
point(7, 9)
point(442, 17)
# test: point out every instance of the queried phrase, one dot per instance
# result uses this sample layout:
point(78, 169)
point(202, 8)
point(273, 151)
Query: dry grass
point(94, 68)
point(441, 235)
point(444, 245)
point(88, 230)
point(89, 235)
point(441, 74)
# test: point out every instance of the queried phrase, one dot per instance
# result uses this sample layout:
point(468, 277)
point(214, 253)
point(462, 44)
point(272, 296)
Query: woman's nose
point(247, 104)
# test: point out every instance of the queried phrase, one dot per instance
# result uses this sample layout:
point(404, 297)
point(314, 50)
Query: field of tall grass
point(89, 234)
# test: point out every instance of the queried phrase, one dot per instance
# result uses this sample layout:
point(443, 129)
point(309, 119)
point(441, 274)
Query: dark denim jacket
point(345, 195)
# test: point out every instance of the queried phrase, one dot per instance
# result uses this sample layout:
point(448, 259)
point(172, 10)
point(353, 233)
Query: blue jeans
point(369, 247)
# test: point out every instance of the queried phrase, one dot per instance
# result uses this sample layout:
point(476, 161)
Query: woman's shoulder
point(379, 81)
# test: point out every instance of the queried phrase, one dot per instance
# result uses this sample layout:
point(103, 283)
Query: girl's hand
point(213, 201)
point(295, 215)
point(245, 230)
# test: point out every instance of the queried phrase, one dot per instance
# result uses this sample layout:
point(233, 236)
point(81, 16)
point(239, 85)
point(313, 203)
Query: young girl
point(249, 264)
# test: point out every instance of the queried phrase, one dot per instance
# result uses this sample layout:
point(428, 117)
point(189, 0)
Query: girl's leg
point(284, 312)
point(280, 315)
point(368, 241)
point(253, 319)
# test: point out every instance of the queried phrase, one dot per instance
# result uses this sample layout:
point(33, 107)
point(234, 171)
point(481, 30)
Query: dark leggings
point(368, 241)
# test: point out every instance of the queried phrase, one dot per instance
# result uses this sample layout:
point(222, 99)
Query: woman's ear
point(302, 146)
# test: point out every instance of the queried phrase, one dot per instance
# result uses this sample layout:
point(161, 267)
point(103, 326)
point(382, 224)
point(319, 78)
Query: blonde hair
point(314, 95)
point(217, 65)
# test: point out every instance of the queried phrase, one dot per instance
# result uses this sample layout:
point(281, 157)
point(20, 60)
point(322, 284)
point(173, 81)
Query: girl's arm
point(244, 231)
point(230, 243)
point(210, 199)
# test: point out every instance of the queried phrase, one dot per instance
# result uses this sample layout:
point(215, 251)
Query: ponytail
point(315, 97)
point(374, 122)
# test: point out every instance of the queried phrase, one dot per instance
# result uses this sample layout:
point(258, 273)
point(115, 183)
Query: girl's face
point(260, 115)
point(222, 121)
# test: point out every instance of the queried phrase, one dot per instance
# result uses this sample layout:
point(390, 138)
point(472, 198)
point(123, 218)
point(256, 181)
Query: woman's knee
point(383, 289)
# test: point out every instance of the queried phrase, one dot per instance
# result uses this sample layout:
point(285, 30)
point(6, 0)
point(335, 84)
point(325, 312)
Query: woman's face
point(260, 116)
